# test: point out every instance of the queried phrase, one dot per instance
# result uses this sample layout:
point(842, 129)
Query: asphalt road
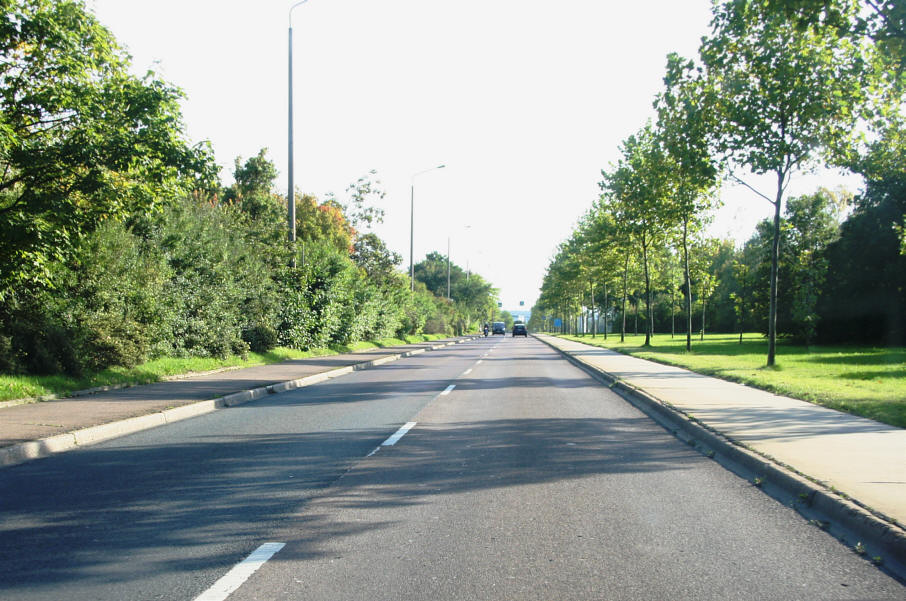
point(527, 480)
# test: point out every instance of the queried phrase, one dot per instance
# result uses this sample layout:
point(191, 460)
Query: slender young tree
point(639, 183)
point(785, 90)
point(685, 116)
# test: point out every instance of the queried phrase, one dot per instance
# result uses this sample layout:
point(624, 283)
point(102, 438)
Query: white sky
point(524, 101)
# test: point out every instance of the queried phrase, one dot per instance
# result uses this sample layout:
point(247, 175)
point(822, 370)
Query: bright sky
point(524, 102)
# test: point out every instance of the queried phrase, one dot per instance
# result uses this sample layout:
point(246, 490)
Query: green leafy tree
point(704, 279)
point(784, 92)
point(81, 140)
point(685, 116)
point(252, 191)
point(472, 298)
point(362, 193)
point(638, 185)
point(741, 297)
point(380, 263)
point(864, 297)
point(814, 224)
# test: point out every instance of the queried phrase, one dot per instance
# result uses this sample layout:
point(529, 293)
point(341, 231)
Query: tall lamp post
point(412, 226)
point(291, 194)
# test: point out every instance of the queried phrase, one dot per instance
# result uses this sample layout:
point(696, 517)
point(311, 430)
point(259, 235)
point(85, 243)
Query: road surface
point(512, 475)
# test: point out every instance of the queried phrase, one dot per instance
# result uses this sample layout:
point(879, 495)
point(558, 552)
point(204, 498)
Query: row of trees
point(778, 87)
point(118, 242)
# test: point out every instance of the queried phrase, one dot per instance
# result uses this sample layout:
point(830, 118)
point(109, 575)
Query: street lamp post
point(412, 226)
point(291, 194)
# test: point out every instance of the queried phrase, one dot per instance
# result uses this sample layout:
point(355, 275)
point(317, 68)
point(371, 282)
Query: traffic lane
point(551, 492)
point(163, 513)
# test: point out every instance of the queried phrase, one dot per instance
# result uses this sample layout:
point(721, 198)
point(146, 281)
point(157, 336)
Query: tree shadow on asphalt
point(73, 518)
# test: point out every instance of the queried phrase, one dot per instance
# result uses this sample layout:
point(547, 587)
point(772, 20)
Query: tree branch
point(751, 188)
point(12, 206)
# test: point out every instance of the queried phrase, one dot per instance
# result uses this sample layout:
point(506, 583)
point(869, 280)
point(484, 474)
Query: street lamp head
point(291, 8)
point(440, 166)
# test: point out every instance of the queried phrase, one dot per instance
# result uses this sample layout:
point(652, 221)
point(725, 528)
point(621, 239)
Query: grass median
point(865, 381)
point(29, 387)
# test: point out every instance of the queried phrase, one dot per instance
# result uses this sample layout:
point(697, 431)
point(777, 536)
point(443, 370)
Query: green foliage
point(638, 185)
point(81, 140)
point(472, 299)
point(781, 85)
point(117, 244)
point(315, 293)
point(112, 298)
point(864, 298)
point(785, 91)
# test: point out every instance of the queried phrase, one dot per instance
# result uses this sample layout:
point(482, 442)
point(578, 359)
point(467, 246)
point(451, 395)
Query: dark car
point(519, 330)
point(498, 327)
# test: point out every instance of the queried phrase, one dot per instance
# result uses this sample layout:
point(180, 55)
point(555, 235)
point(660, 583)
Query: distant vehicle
point(519, 330)
point(498, 327)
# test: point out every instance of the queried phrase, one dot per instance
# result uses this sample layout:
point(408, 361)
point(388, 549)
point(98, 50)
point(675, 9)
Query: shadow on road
point(73, 518)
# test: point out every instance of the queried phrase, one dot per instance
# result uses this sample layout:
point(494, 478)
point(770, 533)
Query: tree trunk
point(672, 306)
point(688, 280)
point(594, 323)
point(606, 307)
point(649, 319)
point(775, 260)
point(625, 277)
point(703, 317)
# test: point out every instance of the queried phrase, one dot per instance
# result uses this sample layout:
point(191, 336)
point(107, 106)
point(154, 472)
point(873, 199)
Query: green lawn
point(865, 381)
point(14, 387)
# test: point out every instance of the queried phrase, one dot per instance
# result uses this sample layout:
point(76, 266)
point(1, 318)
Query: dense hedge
point(201, 279)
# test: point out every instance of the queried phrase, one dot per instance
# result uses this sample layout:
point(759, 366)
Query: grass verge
point(13, 387)
point(865, 381)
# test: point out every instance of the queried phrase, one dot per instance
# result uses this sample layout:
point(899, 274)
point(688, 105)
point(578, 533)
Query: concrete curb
point(36, 449)
point(850, 522)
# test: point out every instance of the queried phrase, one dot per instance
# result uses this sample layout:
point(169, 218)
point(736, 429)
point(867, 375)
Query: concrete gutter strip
point(843, 518)
point(36, 449)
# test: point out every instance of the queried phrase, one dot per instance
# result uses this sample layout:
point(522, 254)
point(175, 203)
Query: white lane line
point(478, 362)
point(399, 434)
point(448, 389)
point(467, 372)
point(233, 579)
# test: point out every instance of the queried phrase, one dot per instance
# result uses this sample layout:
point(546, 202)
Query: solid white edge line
point(448, 389)
point(399, 434)
point(233, 579)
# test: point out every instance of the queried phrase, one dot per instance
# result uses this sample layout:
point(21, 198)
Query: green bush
point(260, 338)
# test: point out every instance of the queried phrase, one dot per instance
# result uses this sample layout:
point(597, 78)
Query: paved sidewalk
point(35, 430)
point(863, 459)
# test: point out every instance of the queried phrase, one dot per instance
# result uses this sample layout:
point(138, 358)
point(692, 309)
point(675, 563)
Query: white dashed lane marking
point(233, 579)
